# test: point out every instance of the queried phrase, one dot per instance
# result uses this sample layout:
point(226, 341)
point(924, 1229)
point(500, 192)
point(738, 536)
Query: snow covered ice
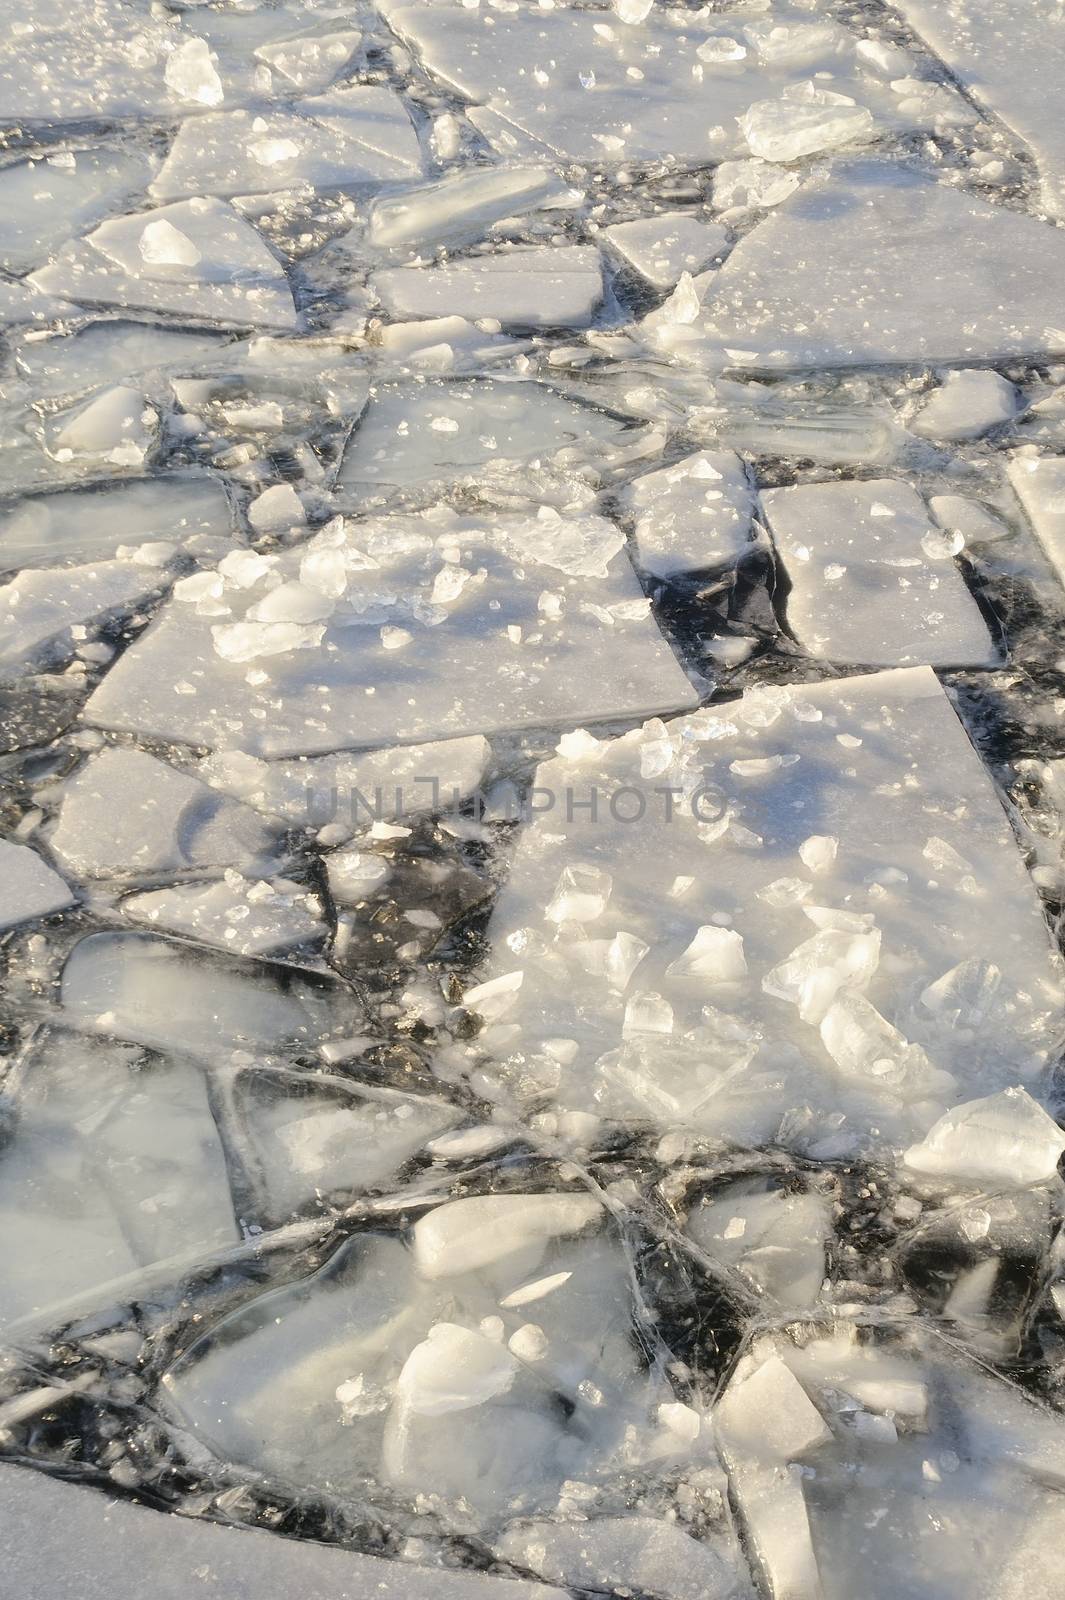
point(532, 800)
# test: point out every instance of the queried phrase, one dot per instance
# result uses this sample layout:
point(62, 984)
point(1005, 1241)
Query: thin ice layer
point(114, 1162)
point(691, 515)
point(352, 137)
point(401, 628)
point(44, 201)
point(864, 1463)
point(827, 871)
point(77, 526)
point(60, 1536)
point(871, 580)
point(876, 262)
point(198, 258)
point(171, 996)
point(503, 437)
point(39, 610)
point(402, 1360)
point(347, 792)
point(1012, 60)
point(30, 888)
point(1040, 485)
point(586, 85)
point(125, 813)
point(541, 287)
point(662, 247)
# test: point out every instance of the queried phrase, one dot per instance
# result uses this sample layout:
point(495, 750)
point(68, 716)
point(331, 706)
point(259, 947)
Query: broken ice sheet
point(899, 268)
point(507, 440)
point(198, 258)
point(249, 916)
point(541, 287)
point(112, 1162)
point(128, 814)
point(775, 1238)
point(317, 1141)
point(346, 793)
point(822, 844)
point(1010, 60)
point(105, 350)
point(39, 611)
point(400, 1362)
point(172, 996)
point(77, 525)
point(400, 628)
point(585, 85)
point(692, 515)
point(43, 201)
point(31, 888)
point(870, 578)
point(459, 208)
point(872, 1461)
point(662, 247)
point(347, 139)
point(1040, 485)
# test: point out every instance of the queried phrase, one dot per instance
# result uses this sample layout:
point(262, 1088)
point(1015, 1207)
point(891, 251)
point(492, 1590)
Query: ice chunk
point(44, 201)
point(460, 586)
point(766, 1424)
point(966, 405)
point(350, 137)
point(170, 996)
point(863, 587)
point(31, 889)
point(191, 74)
point(691, 515)
point(118, 426)
point(127, 814)
point(542, 287)
point(467, 1235)
point(1040, 485)
point(115, 1162)
point(460, 208)
point(1005, 1140)
point(973, 521)
point(869, 770)
point(219, 268)
point(38, 609)
point(1010, 62)
point(900, 267)
point(804, 121)
point(662, 247)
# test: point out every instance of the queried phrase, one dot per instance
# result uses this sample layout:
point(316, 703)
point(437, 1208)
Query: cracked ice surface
point(532, 806)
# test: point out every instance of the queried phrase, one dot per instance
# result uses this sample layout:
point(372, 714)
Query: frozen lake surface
point(532, 800)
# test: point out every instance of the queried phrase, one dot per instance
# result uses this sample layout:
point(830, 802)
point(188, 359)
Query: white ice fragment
point(1005, 1140)
point(966, 405)
point(632, 11)
point(714, 954)
point(190, 73)
point(31, 889)
point(805, 120)
point(163, 245)
point(581, 895)
point(276, 509)
point(453, 1369)
point(536, 1290)
point(818, 852)
point(471, 1234)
